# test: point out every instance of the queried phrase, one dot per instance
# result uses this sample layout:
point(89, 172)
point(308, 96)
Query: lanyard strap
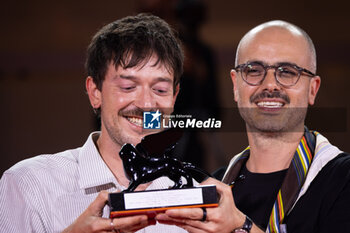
point(292, 182)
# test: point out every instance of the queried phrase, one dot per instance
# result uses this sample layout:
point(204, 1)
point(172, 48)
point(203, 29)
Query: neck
point(270, 152)
point(109, 151)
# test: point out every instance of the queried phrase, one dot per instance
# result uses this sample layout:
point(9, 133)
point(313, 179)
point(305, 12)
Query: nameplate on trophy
point(151, 202)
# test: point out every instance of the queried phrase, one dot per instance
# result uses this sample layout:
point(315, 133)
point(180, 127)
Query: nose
point(145, 99)
point(270, 83)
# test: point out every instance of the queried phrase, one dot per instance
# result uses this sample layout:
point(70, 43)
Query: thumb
point(210, 181)
point(96, 207)
point(222, 189)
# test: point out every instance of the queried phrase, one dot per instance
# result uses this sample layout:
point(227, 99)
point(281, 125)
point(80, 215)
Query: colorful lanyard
point(292, 182)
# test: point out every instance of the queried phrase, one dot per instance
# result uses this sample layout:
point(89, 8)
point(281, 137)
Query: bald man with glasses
point(289, 178)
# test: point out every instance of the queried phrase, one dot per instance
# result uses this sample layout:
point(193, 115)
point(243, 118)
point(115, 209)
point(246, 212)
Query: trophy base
point(151, 202)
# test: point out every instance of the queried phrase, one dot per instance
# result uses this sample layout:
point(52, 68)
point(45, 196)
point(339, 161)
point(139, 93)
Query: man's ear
point(315, 84)
point(233, 74)
point(177, 90)
point(93, 92)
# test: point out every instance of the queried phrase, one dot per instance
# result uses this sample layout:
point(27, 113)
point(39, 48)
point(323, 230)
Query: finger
point(132, 222)
point(191, 229)
point(219, 185)
point(164, 218)
point(195, 223)
point(135, 227)
point(210, 181)
point(188, 213)
point(138, 226)
point(170, 222)
point(224, 191)
point(187, 224)
point(193, 226)
point(103, 224)
point(95, 208)
point(176, 222)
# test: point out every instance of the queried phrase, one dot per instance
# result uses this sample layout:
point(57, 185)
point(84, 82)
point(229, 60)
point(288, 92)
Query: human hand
point(223, 218)
point(91, 219)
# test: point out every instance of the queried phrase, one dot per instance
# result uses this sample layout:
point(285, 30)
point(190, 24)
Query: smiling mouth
point(270, 104)
point(135, 120)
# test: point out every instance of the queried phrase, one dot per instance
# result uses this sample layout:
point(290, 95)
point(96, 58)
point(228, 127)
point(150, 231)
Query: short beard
point(117, 135)
point(290, 120)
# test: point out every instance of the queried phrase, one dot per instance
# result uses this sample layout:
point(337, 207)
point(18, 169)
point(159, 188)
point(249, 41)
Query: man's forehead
point(273, 34)
point(158, 71)
point(272, 40)
point(139, 64)
point(276, 25)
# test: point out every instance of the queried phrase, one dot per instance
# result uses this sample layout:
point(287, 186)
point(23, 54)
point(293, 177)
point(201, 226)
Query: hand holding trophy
point(153, 158)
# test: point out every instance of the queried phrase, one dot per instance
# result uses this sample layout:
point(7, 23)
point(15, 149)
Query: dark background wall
point(44, 108)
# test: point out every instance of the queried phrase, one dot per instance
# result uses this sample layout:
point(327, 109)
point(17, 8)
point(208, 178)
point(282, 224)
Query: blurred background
point(42, 50)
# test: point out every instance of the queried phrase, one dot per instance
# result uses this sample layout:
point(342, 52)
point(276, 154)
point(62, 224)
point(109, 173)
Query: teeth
point(134, 120)
point(267, 104)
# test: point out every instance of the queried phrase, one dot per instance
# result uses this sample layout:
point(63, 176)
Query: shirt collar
point(94, 174)
point(92, 169)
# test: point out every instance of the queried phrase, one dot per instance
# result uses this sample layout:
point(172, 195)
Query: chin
point(274, 128)
point(135, 140)
point(266, 129)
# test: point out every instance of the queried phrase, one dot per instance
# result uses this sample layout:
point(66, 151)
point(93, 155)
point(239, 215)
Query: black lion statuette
point(152, 158)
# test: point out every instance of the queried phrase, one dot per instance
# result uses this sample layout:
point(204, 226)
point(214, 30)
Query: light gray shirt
point(48, 192)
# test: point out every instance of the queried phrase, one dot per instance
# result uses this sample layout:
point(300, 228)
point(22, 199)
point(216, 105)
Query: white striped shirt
point(48, 192)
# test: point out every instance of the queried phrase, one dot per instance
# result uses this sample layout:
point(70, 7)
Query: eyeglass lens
point(285, 74)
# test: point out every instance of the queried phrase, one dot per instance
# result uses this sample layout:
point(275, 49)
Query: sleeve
point(337, 218)
point(337, 199)
point(20, 207)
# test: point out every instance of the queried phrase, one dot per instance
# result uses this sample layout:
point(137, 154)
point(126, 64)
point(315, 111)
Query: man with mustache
point(289, 179)
point(134, 65)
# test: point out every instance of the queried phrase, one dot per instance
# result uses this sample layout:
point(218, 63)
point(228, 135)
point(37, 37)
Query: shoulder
point(324, 206)
point(335, 175)
point(339, 166)
point(332, 180)
point(343, 159)
point(44, 165)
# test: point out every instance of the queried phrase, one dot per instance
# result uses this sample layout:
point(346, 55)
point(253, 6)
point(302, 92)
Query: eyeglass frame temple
point(273, 66)
point(310, 74)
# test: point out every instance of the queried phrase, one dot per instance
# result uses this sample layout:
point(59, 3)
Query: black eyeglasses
point(286, 74)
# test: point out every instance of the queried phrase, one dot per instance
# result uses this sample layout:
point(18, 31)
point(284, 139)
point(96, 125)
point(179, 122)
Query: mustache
point(266, 94)
point(136, 111)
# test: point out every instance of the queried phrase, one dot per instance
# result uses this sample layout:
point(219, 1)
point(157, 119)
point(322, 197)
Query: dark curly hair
point(131, 41)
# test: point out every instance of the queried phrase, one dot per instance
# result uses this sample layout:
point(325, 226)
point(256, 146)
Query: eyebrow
point(255, 61)
point(164, 79)
point(286, 63)
point(276, 64)
point(127, 77)
point(134, 78)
